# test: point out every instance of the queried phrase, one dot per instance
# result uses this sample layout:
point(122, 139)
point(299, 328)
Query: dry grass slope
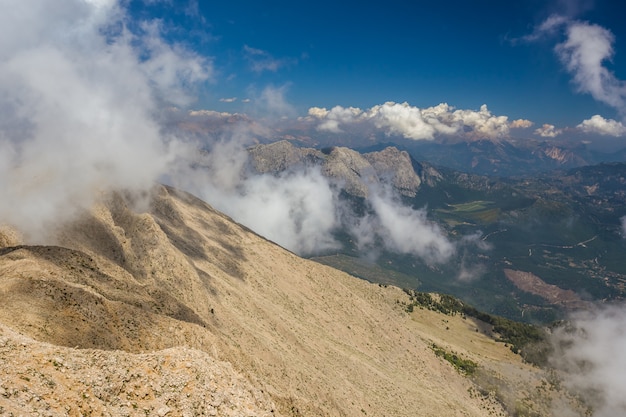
point(142, 292)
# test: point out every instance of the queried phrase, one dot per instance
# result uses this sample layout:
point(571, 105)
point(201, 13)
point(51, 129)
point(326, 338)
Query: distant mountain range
point(505, 158)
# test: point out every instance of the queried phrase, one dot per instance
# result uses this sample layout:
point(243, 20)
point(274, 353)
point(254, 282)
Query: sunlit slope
point(136, 276)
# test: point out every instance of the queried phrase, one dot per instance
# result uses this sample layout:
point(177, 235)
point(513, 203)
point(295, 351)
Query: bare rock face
point(275, 157)
point(353, 171)
point(395, 166)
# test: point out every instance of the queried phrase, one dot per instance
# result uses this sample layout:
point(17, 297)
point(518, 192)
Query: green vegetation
point(524, 339)
point(464, 366)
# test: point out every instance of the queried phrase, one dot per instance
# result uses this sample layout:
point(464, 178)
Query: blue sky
point(362, 54)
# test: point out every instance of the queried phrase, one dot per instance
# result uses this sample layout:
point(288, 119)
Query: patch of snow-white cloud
point(301, 209)
point(521, 124)
point(548, 131)
point(599, 125)
point(413, 122)
point(584, 53)
point(590, 350)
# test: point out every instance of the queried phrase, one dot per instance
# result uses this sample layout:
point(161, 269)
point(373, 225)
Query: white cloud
point(623, 223)
point(548, 131)
point(209, 113)
point(271, 103)
point(401, 119)
point(521, 124)
point(261, 60)
point(413, 122)
point(301, 209)
point(330, 120)
point(483, 123)
point(548, 26)
point(406, 230)
point(599, 125)
point(591, 352)
point(78, 94)
point(228, 100)
point(584, 53)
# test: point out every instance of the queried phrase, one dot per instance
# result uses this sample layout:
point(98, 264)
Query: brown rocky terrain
point(163, 306)
point(529, 282)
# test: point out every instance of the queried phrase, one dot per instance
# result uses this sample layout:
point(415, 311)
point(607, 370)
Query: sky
point(520, 59)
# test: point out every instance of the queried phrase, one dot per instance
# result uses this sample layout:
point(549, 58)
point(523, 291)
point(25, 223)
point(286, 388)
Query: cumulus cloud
point(591, 352)
point(330, 120)
point(412, 122)
point(79, 92)
point(521, 124)
point(548, 131)
point(599, 125)
point(260, 60)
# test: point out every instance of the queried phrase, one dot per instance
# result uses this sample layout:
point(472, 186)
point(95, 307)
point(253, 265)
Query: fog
point(79, 93)
point(591, 352)
point(301, 209)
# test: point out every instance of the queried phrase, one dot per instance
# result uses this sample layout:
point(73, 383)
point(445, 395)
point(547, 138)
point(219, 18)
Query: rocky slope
point(163, 306)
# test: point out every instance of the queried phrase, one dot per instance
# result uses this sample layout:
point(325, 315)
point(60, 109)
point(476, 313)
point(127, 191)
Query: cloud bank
point(415, 123)
point(78, 96)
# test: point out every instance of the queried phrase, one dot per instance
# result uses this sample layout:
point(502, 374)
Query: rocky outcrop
point(395, 167)
point(356, 173)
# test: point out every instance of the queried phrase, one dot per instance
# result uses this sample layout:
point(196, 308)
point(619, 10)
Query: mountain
point(160, 305)
point(357, 172)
